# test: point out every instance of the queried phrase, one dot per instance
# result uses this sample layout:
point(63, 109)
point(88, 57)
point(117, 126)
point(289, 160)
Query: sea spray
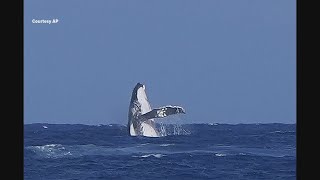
point(162, 130)
point(171, 129)
point(179, 130)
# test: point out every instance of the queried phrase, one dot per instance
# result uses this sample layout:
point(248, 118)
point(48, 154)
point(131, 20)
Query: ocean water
point(187, 151)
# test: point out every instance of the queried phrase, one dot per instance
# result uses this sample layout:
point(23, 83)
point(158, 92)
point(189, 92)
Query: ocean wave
point(220, 151)
point(50, 150)
point(213, 124)
point(144, 144)
point(149, 155)
point(219, 154)
point(60, 151)
point(165, 145)
point(282, 132)
point(149, 149)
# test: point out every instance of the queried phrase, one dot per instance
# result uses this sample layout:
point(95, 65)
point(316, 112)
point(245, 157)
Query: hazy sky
point(224, 61)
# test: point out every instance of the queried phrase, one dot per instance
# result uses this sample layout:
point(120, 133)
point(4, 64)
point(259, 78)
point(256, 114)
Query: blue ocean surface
point(186, 151)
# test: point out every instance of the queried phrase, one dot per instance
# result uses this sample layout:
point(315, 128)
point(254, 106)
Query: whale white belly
point(132, 131)
point(148, 130)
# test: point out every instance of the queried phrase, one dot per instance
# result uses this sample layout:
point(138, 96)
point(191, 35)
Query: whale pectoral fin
point(163, 112)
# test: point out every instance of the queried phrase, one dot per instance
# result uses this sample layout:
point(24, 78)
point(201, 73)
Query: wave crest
point(149, 155)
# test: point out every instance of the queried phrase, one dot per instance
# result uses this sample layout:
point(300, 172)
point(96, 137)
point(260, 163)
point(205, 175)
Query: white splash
point(162, 130)
point(178, 130)
point(172, 129)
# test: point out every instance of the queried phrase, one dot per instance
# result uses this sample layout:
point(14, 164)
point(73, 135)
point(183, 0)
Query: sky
point(224, 61)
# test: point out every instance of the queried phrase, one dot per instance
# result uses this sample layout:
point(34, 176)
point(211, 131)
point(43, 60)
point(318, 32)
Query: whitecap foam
point(154, 155)
point(50, 150)
point(165, 145)
point(220, 155)
point(48, 146)
point(60, 151)
point(144, 144)
point(281, 132)
point(276, 132)
point(149, 155)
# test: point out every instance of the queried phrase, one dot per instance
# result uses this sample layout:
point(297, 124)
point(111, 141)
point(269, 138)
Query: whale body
point(141, 117)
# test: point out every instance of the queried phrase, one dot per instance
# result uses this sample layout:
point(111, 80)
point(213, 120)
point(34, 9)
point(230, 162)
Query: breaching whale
point(141, 116)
